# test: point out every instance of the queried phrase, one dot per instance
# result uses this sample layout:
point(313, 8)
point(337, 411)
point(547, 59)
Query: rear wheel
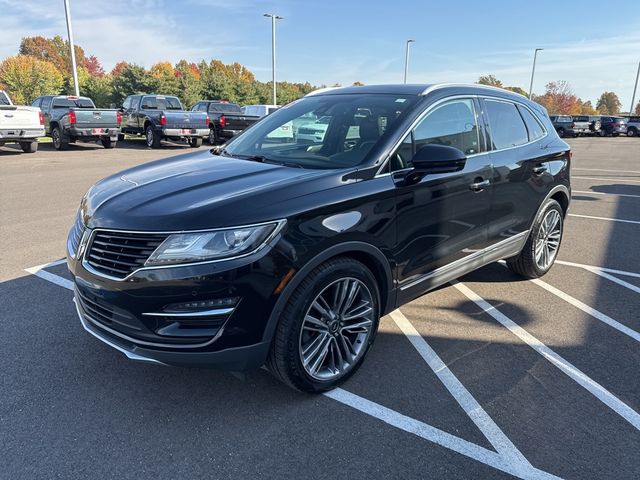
point(29, 147)
point(561, 132)
point(543, 244)
point(152, 138)
point(327, 327)
point(107, 142)
point(58, 142)
point(632, 132)
point(213, 137)
point(121, 137)
point(195, 142)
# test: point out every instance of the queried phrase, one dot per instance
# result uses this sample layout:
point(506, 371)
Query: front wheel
point(543, 244)
point(29, 147)
point(632, 132)
point(327, 326)
point(195, 142)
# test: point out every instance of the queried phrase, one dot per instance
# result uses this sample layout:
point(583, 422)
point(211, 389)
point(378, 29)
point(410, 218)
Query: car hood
point(199, 191)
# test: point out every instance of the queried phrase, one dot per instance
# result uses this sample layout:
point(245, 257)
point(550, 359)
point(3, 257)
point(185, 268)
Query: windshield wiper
point(259, 158)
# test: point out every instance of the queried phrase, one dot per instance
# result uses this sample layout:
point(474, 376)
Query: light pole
point(406, 60)
point(635, 87)
point(73, 50)
point(533, 70)
point(273, 51)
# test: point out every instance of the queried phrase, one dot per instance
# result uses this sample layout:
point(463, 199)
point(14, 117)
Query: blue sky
point(591, 45)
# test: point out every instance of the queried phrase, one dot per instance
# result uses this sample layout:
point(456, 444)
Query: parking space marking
point(603, 273)
point(593, 387)
point(435, 435)
point(39, 271)
point(604, 218)
point(621, 179)
point(603, 170)
point(603, 269)
point(602, 193)
point(470, 405)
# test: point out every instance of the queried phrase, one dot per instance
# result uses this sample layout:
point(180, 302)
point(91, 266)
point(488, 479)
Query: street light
point(635, 87)
point(533, 71)
point(67, 12)
point(406, 60)
point(273, 51)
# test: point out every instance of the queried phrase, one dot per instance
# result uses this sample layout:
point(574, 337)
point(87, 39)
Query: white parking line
point(471, 407)
point(603, 193)
point(603, 269)
point(437, 436)
point(635, 222)
point(510, 461)
point(597, 390)
point(603, 170)
point(622, 179)
point(603, 273)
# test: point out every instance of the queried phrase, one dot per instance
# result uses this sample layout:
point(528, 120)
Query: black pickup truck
point(161, 117)
point(225, 119)
point(70, 118)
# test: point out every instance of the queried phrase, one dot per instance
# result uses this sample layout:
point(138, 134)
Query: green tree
point(26, 78)
point(132, 79)
point(215, 81)
point(188, 78)
point(609, 104)
point(100, 90)
point(517, 90)
point(490, 80)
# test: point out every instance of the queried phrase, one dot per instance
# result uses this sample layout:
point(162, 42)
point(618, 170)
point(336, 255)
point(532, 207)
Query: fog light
point(198, 305)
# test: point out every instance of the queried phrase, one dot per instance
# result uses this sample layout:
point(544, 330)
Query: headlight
point(212, 245)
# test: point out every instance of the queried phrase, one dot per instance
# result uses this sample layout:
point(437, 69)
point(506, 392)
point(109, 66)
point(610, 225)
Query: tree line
point(559, 99)
point(43, 67)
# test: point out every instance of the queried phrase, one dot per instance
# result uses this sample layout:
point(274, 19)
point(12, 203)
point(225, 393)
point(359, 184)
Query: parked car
point(21, 125)
point(566, 126)
point(226, 120)
point(613, 126)
point(313, 132)
point(161, 117)
point(633, 126)
point(289, 254)
point(282, 133)
point(68, 119)
point(592, 120)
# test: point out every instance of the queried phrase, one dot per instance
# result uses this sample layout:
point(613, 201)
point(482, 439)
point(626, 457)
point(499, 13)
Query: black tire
point(121, 137)
point(195, 142)
point(107, 142)
point(152, 138)
point(561, 132)
point(525, 263)
point(29, 147)
point(213, 136)
point(58, 141)
point(284, 359)
point(632, 132)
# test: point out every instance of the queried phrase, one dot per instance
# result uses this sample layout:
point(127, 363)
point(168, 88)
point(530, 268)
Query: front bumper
point(185, 132)
point(20, 135)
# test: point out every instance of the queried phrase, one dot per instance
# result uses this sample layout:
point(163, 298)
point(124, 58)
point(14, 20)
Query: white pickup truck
point(20, 124)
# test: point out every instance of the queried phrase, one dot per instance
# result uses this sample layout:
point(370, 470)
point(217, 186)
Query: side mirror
point(434, 158)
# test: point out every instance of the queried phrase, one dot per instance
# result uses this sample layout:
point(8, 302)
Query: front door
point(441, 220)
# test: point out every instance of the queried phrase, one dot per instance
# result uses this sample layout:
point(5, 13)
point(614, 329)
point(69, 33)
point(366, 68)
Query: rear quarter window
point(507, 127)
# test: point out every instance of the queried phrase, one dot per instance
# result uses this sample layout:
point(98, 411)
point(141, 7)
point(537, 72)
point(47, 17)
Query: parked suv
point(592, 120)
point(633, 126)
point(566, 126)
point(613, 126)
point(289, 253)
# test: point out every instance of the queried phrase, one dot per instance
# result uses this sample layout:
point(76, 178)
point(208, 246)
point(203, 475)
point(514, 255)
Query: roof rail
point(438, 86)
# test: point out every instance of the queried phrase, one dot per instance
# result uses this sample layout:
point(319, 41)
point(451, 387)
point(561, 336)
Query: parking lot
point(491, 377)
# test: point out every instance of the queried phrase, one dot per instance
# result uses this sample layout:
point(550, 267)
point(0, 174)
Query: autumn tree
point(93, 66)
point(132, 79)
point(517, 90)
point(26, 78)
point(119, 68)
point(559, 99)
point(54, 50)
point(609, 104)
point(490, 80)
point(586, 108)
point(637, 110)
point(188, 77)
point(165, 81)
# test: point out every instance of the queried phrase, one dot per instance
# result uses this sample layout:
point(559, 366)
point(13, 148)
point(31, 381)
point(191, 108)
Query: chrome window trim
point(279, 226)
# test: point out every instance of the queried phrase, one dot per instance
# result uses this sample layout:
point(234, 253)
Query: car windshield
point(327, 131)
point(73, 103)
point(4, 100)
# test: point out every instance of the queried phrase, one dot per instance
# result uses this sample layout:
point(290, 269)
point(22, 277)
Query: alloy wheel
point(336, 329)
point(548, 239)
point(149, 137)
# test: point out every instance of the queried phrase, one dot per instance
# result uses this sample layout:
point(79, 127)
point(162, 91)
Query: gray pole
point(273, 52)
point(74, 68)
point(635, 88)
point(406, 60)
point(533, 71)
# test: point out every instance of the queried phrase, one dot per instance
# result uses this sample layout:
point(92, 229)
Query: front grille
point(117, 254)
point(75, 235)
point(103, 312)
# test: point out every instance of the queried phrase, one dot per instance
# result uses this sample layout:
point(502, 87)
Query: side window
point(36, 102)
point(127, 103)
point(507, 127)
point(533, 125)
point(452, 123)
point(149, 103)
point(46, 101)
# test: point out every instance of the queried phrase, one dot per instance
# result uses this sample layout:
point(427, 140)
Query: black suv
point(289, 253)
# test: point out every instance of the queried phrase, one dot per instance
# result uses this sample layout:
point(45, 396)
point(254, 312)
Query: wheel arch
point(559, 193)
point(365, 253)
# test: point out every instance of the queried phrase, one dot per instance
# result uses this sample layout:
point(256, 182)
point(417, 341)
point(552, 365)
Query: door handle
point(480, 185)
point(540, 169)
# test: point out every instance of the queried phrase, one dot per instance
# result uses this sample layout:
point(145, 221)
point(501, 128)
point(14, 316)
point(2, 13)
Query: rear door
point(522, 175)
point(442, 218)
